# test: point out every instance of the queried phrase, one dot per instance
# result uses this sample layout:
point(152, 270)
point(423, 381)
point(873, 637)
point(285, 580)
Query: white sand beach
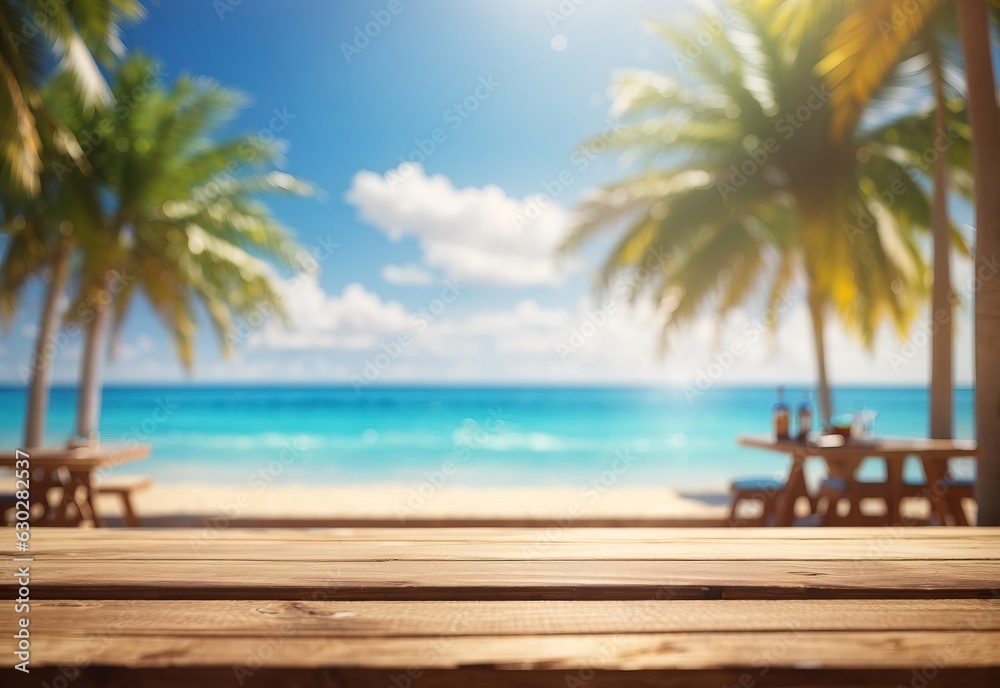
point(404, 502)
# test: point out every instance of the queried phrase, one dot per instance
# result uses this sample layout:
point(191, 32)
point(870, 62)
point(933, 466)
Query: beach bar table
point(560, 607)
point(843, 458)
point(71, 473)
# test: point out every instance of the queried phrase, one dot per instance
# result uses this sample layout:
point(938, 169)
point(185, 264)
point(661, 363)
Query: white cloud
point(406, 274)
point(355, 319)
point(475, 234)
point(143, 344)
point(587, 342)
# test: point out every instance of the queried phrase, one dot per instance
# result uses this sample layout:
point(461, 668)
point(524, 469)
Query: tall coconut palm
point(855, 68)
point(42, 237)
point(745, 191)
point(860, 70)
point(984, 116)
point(34, 33)
point(38, 207)
point(175, 224)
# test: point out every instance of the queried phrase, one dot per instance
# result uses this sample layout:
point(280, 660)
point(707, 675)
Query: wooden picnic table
point(423, 607)
point(843, 458)
point(71, 473)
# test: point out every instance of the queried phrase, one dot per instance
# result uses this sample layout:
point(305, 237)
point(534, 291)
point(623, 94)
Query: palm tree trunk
point(941, 310)
point(823, 384)
point(88, 405)
point(41, 362)
point(984, 116)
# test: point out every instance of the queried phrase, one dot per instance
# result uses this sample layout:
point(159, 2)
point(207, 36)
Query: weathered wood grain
point(805, 538)
point(486, 580)
point(195, 618)
point(682, 607)
point(540, 548)
point(631, 651)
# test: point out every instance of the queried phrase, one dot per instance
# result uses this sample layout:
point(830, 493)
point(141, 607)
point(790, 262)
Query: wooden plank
point(688, 651)
point(864, 538)
point(772, 677)
point(83, 457)
point(370, 522)
point(728, 549)
point(352, 618)
point(486, 580)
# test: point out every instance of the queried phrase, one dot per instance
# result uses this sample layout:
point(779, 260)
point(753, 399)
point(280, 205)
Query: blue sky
point(505, 92)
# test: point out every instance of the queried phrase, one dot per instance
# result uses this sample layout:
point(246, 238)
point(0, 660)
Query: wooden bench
point(951, 490)
point(123, 487)
point(557, 606)
point(764, 492)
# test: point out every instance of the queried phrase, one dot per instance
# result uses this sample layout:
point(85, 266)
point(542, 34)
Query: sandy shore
point(405, 502)
point(408, 503)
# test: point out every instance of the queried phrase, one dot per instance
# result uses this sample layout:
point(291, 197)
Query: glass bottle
point(805, 417)
point(781, 417)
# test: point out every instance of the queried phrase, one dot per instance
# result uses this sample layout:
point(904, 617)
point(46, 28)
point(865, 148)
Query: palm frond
point(863, 49)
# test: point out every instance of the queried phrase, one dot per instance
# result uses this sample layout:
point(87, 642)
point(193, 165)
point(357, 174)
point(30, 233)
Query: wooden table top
point(369, 603)
point(889, 447)
point(81, 457)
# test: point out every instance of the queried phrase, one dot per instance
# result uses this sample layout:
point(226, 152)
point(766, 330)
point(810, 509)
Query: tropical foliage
point(743, 187)
point(33, 35)
point(161, 207)
point(856, 67)
point(172, 221)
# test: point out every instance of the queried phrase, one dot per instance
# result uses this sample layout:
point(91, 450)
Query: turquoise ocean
point(495, 436)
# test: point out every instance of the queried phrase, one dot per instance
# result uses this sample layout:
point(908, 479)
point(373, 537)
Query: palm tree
point(174, 225)
point(76, 35)
point(42, 237)
point(746, 193)
point(861, 70)
point(34, 33)
point(856, 68)
point(984, 116)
